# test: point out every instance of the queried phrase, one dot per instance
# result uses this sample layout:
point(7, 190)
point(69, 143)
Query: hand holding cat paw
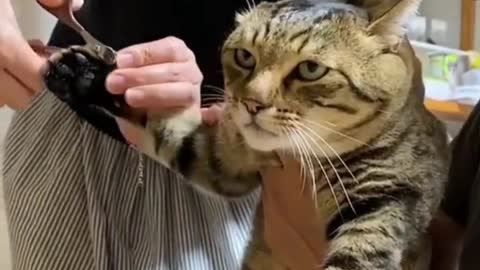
point(291, 228)
point(158, 75)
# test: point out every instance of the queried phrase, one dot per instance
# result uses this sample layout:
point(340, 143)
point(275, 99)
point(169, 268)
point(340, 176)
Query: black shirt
point(462, 198)
point(202, 24)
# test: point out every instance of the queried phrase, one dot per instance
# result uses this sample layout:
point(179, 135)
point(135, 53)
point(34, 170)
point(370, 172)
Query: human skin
point(19, 60)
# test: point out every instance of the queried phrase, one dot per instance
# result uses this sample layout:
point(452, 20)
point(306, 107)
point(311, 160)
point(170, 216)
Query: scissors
point(64, 13)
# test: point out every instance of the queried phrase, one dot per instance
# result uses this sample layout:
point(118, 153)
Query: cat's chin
point(263, 141)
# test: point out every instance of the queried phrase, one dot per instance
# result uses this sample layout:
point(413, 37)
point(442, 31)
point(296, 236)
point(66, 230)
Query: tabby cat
point(322, 80)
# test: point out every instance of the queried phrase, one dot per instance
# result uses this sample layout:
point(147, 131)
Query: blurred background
point(446, 37)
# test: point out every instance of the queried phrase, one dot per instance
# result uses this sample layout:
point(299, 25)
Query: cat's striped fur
point(322, 80)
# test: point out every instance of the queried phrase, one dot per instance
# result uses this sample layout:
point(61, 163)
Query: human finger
point(211, 115)
point(130, 132)
point(165, 50)
point(77, 4)
point(41, 49)
point(13, 93)
point(21, 60)
point(161, 96)
point(122, 79)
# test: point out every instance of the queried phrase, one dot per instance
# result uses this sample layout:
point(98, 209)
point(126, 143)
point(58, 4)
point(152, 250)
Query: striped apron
point(75, 201)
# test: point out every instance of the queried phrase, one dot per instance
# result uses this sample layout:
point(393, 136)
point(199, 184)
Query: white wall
point(448, 11)
point(33, 20)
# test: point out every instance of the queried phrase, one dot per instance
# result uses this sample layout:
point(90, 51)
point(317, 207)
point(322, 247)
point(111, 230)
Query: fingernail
point(134, 96)
point(125, 60)
point(115, 82)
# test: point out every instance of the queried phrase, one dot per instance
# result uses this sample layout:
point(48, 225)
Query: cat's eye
point(310, 71)
point(245, 59)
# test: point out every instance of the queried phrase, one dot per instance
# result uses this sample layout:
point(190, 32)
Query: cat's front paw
point(78, 78)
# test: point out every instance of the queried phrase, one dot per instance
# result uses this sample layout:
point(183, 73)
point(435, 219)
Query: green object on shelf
point(475, 62)
point(447, 67)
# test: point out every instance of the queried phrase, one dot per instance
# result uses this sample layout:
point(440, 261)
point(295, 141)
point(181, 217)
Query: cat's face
point(301, 73)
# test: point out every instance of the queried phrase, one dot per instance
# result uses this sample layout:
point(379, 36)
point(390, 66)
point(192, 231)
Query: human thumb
point(130, 132)
point(76, 4)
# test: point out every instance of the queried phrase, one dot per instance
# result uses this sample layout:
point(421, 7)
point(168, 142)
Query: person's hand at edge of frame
point(21, 67)
point(155, 76)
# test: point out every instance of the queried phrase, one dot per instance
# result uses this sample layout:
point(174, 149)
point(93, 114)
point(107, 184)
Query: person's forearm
point(447, 240)
point(6, 8)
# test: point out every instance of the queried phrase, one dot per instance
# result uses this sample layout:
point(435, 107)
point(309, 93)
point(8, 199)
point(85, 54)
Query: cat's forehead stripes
point(265, 38)
point(290, 25)
point(294, 12)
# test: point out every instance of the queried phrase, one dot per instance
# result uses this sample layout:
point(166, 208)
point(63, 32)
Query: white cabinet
point(439, 21)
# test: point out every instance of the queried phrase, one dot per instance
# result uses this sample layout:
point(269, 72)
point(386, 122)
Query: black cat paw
point(78, 78)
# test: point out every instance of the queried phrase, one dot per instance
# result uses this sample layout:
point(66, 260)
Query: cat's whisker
point(311, 169)
point(295, 117)
point(322, 168)
point(340, 180)
point(216, 99)
point(217, 91)
point(286, 132)
point(336, 132)
point(212, 102)
point(329, 183)
point(330, 123)
point(295, 148)
point(302, 161)
point(300, 128)
point(213, 99)
point(208, 105)
point(383, 111)
point(213, 95)
point(331, 148)
point(310, 153)
point(215, 88)
point(249, 5)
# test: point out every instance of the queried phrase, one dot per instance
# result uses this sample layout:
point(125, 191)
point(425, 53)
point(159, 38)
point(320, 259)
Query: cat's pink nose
point(253, 106)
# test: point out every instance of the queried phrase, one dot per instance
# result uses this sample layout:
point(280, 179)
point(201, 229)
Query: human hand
point(156, 76)
point(292, 227)
point(21, 67)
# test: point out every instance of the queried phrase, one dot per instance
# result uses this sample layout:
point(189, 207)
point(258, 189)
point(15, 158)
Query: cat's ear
point(387, 18)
